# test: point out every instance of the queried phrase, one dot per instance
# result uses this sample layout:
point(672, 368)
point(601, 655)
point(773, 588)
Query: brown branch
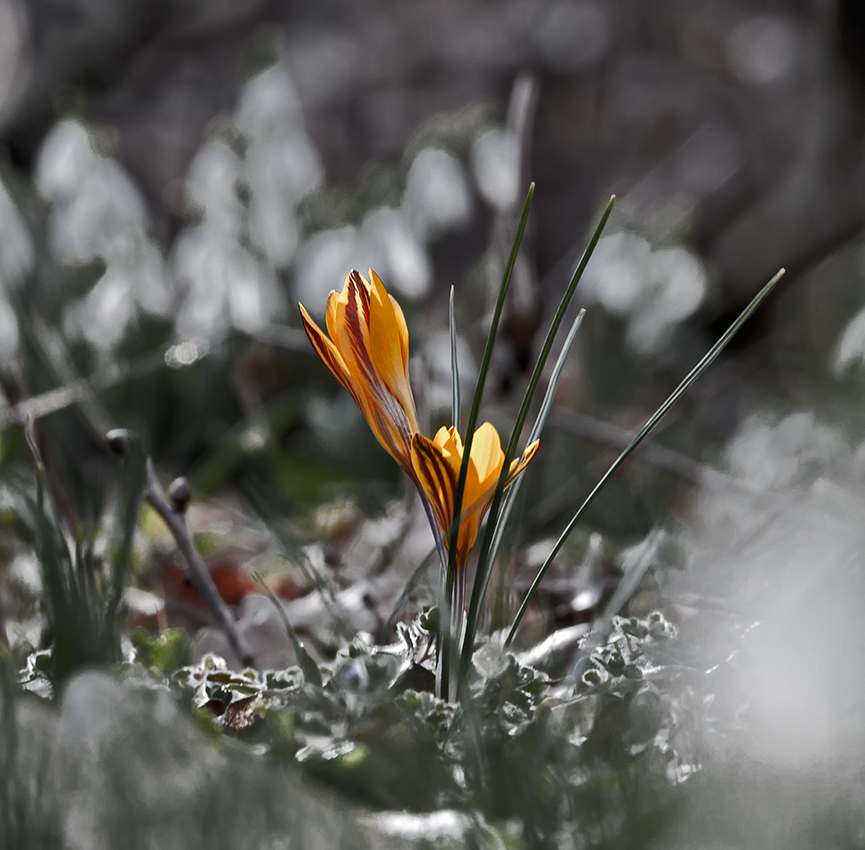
point(200, 575)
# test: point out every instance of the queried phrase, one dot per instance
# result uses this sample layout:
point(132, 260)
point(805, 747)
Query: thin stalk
point(537, 429)
point(455, 368)
point(410, 585)
point(485, 563)
point(311, 673)
point(656, 417)
point(633, 569)
point(450, 573)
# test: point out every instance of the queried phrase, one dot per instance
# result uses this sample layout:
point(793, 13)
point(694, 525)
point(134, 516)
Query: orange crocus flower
point(437, 464)
point(368, 354)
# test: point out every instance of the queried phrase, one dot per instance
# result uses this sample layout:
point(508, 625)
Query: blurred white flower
point(227, 263)
point(616, 275)
point(280, 172)
point(8, 332)
point(324, 261)
point(269, 105)
point(437, 196)
point(654, 289)
point(676, 287)
point(851, 347)
point(103, 314)
point(224, 285)
point(211, 186)
point(495, 161)
point(64, 161)
point(772, 455)
point(98, 212)
point(438, 380)
point(405, 265)
point(281, 165)
point(101, 220)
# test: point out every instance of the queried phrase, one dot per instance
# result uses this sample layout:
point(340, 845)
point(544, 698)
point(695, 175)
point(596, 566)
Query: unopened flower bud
point(179, 494)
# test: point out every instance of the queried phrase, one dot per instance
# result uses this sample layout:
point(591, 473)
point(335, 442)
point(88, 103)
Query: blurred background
point(175, 176)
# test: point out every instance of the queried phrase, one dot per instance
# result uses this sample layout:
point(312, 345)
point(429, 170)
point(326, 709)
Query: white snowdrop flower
point(211, 185)
point(147, 267)
point(269, 104)
point(280, 172)
point(437, 196)
point(495, 162)
point(438, 379)
point(103, 314)
point(676, 287)
point(406, 266)
point(101, 217)
point(680, 280)
point(323, 262)
point(98, 212)
point(290, 163)
point(224, 286)
point(65, 159)
point(273, 225)
point(199, 265)
point(8, 332)
point(618, 272)
point(254, 298)
point(850, 349)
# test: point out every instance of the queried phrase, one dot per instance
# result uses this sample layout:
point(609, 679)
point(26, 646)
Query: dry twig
point(200, 575)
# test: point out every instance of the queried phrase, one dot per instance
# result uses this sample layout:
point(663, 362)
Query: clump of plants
point(576, 741)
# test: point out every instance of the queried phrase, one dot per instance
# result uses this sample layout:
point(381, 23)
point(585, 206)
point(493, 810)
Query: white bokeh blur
point(97, 212)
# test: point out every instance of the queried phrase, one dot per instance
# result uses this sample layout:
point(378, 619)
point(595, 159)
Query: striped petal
point(437, 463)
point(437, 480)
point(385, 400)
point(518, 464)
point(329, 355)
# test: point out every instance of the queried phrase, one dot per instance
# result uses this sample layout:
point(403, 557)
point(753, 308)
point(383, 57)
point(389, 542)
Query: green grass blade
point(485, 564)
point(311, 673)
point(132, 485)
point(410, 585)
point(450, 575)
point(634, 568)
point(537, 430)
point(656, 417)
point(455, 369)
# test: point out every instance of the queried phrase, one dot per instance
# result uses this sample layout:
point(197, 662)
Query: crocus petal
point(389, 345)
point(451, 446)
point(436, 478)
point(518, 464)
point(330, 356)
point(437, 463)
point(348, 354)
point(485, 463)
point(385, 311)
